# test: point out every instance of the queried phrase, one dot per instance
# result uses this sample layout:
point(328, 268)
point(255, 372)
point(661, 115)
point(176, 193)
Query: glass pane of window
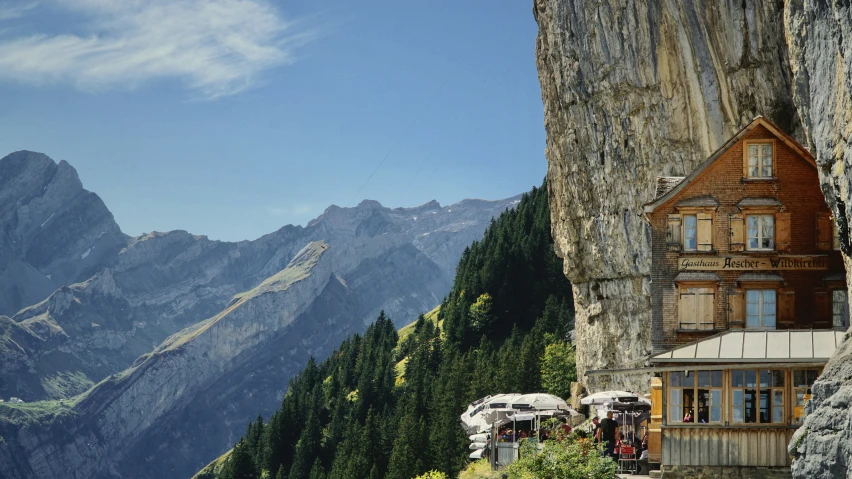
point(764, 405)
point(674, 396)
point(750, 403)
point(716, 414)
point(676, 379)
point(777, 378)
point(766, 160)
point(753, 160)
point(703, 378)
point(768, 321)
point(777, 397)
point(799, 378)
point(764, 377)
point(738, 397)
point(812, 376)
point(800, 397)
point(675, 414)
point(767, 232)
point(716, 379)
point(777, 414)
point(753, 230)
point(750, 378)
point(716, 397)
point(689, 379)
point(689, 241)
point(737, 379)
point(738, 415)
point(703, 405)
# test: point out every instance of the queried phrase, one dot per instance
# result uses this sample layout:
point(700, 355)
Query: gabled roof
point(664, 194)
point(745, 346)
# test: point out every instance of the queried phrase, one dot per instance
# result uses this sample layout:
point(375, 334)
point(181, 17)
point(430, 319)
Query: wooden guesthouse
point(748, 303)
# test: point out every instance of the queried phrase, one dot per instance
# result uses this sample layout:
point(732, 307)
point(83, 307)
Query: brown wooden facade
point(745, 244)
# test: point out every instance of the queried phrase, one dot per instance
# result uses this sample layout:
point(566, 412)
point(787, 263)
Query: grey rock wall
point(819, 36)
point(633, 90)
point(638, 89)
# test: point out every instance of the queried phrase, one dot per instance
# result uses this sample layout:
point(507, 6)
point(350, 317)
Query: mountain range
point(148, 355)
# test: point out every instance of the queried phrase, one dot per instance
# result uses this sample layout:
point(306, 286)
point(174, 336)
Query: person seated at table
point(688, 417)
point(644, 444)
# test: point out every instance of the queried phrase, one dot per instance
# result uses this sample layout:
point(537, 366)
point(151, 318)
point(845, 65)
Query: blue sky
point(231, 118)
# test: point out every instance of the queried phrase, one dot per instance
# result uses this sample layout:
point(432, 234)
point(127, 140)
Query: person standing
point(596, 431)
point(607, 433)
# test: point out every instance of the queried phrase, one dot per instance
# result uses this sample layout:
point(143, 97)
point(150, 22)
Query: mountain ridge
point(157, 298)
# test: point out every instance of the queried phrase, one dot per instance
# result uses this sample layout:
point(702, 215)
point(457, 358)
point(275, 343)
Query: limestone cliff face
point(818, 36)
point(633, 90)
point(638, 89)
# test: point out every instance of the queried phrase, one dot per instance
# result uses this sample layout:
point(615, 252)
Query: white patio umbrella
point(482, 412)
point(605, 398)
point(540, 401)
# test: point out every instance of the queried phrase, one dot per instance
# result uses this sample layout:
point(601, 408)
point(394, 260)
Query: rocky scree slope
point(156, 419)
point(136, 295)
point(637, 89)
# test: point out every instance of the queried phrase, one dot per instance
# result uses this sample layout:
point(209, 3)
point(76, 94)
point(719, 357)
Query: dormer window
point(759, 160)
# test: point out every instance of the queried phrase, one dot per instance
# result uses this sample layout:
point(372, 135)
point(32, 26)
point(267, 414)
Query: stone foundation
point(710, 472)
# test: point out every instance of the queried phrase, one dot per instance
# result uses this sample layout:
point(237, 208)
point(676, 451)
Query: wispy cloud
point(216, 47)
point(12, 10)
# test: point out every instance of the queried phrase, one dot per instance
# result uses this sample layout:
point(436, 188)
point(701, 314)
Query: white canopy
point(616, 400)
point(477, 454)
point(482, 413)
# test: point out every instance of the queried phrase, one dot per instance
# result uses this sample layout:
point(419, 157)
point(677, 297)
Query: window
point(760, 308)
point(695, 399)
point(690, 233)
point(761, 232)
point(803, 380)
point(839, 308)
point(696, 308)
point(757, 396)
point(759, 160)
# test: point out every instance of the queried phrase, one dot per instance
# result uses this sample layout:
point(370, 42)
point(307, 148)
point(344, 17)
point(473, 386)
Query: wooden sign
point(749, 263)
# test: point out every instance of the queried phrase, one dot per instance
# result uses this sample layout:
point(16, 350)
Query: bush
point(570, 458)
point(432, 475)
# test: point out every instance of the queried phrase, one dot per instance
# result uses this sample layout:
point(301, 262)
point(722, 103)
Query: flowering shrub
point(569, 458)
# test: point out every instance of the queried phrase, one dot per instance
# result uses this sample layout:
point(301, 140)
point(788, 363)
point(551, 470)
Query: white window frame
point(761, 303)
point(761, 218)
point(759, 160)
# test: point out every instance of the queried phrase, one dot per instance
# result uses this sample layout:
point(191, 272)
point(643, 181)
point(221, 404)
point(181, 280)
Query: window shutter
point(737, 231)
point(822, 305)
point(704, 235)
point(782, 231)
point(823, 231)
point(673, 241)
point(686, 307)
point(707, 310)
point(735, 308)
point(786, 305)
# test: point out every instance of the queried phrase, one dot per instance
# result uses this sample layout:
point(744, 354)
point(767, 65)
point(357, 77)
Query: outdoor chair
point(627, 460)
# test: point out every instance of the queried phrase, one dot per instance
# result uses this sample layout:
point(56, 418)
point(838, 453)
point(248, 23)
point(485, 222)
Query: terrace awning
point(799, 346)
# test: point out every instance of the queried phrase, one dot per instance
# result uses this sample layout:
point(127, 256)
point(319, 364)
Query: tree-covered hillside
point(384, 408)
